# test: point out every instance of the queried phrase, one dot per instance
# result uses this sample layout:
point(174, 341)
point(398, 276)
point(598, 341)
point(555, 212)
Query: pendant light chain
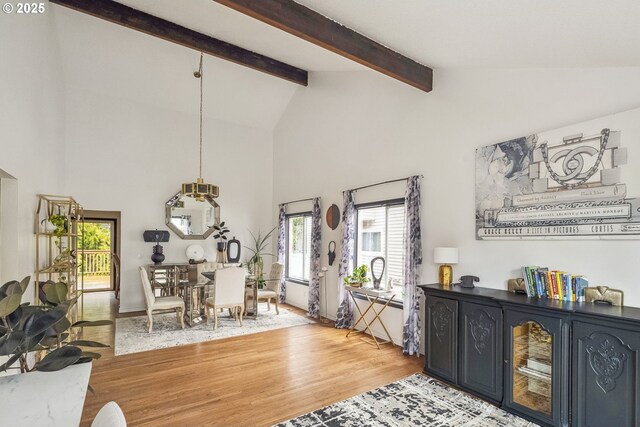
point(200, 190)
point(201, 79)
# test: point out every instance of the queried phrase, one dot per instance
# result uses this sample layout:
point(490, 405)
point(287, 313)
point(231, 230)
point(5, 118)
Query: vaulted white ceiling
point(105, 58)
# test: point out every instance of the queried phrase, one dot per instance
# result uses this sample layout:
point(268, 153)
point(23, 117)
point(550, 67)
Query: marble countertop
point(45, 398)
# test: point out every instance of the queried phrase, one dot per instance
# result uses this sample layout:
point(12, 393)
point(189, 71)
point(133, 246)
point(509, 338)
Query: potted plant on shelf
point(256, 261)
point(44, 328)
point(358, 277)
point(220, 235)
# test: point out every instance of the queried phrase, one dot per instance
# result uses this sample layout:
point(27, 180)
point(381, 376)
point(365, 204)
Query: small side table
point(372, 296)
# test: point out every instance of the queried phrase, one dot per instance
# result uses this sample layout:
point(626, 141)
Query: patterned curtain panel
point(412, 268)
point(282, 224)
point(314, 283)
point(344, 317)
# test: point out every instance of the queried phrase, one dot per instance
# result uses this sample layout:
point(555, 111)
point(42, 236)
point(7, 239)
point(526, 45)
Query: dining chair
point(272, 286)
point(110, 415)
point(160, 303)
point(228, 292)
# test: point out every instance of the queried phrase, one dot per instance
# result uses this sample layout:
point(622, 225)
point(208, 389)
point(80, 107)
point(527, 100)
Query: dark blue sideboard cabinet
point(442, 338)
point(481, 346)
point(555, 363)
point(606, 382)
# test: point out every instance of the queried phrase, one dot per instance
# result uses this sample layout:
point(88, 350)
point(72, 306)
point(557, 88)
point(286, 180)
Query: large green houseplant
point(256, 261)
point(45, 328)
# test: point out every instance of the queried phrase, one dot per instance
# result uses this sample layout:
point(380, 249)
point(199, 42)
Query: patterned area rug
point(132, 336)
point(414, 401)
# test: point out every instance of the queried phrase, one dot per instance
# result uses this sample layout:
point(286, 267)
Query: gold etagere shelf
point(57, 252)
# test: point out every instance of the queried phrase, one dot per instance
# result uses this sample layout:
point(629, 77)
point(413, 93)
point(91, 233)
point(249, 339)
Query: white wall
point(31, 122)
point(352, 129)
point(132, 157)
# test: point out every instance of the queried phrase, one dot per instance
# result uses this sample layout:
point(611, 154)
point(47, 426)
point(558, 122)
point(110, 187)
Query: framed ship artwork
point(570, 183)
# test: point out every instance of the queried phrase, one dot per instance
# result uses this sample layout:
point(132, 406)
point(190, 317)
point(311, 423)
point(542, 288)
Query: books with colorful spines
point(581, 284)
point(553, 293)
point(544, 286)
point(526, 281)
point(562, 292)
point(571, 288)
point(532, 280)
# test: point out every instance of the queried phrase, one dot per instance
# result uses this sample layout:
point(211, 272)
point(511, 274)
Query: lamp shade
point(445, 255)
point(157, 236)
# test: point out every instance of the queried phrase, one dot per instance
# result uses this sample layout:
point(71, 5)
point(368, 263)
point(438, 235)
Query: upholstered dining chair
point(272, 286)
point(110, 415)
point(228, 293)
point(160, 303)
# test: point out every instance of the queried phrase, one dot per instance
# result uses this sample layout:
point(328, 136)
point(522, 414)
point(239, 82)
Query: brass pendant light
point(199, 189)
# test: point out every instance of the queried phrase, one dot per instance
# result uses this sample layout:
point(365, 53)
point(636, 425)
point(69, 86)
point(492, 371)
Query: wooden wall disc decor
point(333, 216)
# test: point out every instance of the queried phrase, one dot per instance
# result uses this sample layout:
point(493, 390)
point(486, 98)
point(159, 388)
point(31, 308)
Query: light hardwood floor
point(255, 380)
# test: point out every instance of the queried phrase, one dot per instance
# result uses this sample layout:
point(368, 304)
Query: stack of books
point(552, 284)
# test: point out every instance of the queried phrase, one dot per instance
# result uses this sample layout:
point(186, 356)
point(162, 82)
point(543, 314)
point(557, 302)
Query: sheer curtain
point(316, 238)
point(282, 224)
point(344, 317)
point(412, 267)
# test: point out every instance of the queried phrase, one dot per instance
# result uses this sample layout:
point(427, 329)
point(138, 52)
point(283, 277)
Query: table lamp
point(156, 236)
point(445, 257)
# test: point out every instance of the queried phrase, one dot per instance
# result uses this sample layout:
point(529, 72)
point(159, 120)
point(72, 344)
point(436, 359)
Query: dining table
point(251, 283)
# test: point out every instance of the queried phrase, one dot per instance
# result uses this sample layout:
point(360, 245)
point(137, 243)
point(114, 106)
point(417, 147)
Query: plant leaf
point(84, 323)
point(9, 304)
point(62, 326)
point(91, 354)
point(222, 224)
point(46, 321)
point(10, 342)
point(24, 283)
point(57, 293)
point(59, 359)
point(85, 343)
point(13, 359)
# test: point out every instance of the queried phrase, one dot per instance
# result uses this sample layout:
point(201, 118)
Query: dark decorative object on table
point(220, 235)
point(157, 236)
point(467, 281)
point(333, 217)
point(332, 252)
point(233, 258)
point(377, 280)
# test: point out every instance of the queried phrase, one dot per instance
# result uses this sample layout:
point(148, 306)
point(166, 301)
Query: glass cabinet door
point(532, 367)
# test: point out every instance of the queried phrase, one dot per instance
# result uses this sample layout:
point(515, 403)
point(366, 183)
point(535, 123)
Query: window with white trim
point(298, 251)
point(380, 232)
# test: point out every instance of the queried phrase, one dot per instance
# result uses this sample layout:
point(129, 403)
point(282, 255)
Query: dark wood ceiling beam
point(313, 27)
point(131, 18)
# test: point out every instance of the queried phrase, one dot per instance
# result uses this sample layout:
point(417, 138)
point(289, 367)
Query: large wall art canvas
point(567, 183)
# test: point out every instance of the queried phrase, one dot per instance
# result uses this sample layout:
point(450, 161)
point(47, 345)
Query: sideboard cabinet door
point(481, 363)
point(606, 385)
point(442, 339)
point(537, 365)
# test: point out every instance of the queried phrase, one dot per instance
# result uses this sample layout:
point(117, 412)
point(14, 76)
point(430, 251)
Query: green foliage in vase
point(359, 275)
point(25, 328)
point(220, 231)
point(60, 221)
point(260, 244)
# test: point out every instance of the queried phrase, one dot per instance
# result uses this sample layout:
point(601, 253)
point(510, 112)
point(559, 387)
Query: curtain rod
point(301, 200)
point(381, 183)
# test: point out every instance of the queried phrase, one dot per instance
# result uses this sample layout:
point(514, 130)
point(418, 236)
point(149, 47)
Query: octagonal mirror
point(191, 219)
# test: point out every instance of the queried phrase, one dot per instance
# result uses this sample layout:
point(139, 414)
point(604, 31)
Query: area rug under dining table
point(417, 400)
point(132, 335)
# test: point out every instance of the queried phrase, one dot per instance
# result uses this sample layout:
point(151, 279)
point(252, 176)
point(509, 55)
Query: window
point(299, 247)
point(380, 232)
